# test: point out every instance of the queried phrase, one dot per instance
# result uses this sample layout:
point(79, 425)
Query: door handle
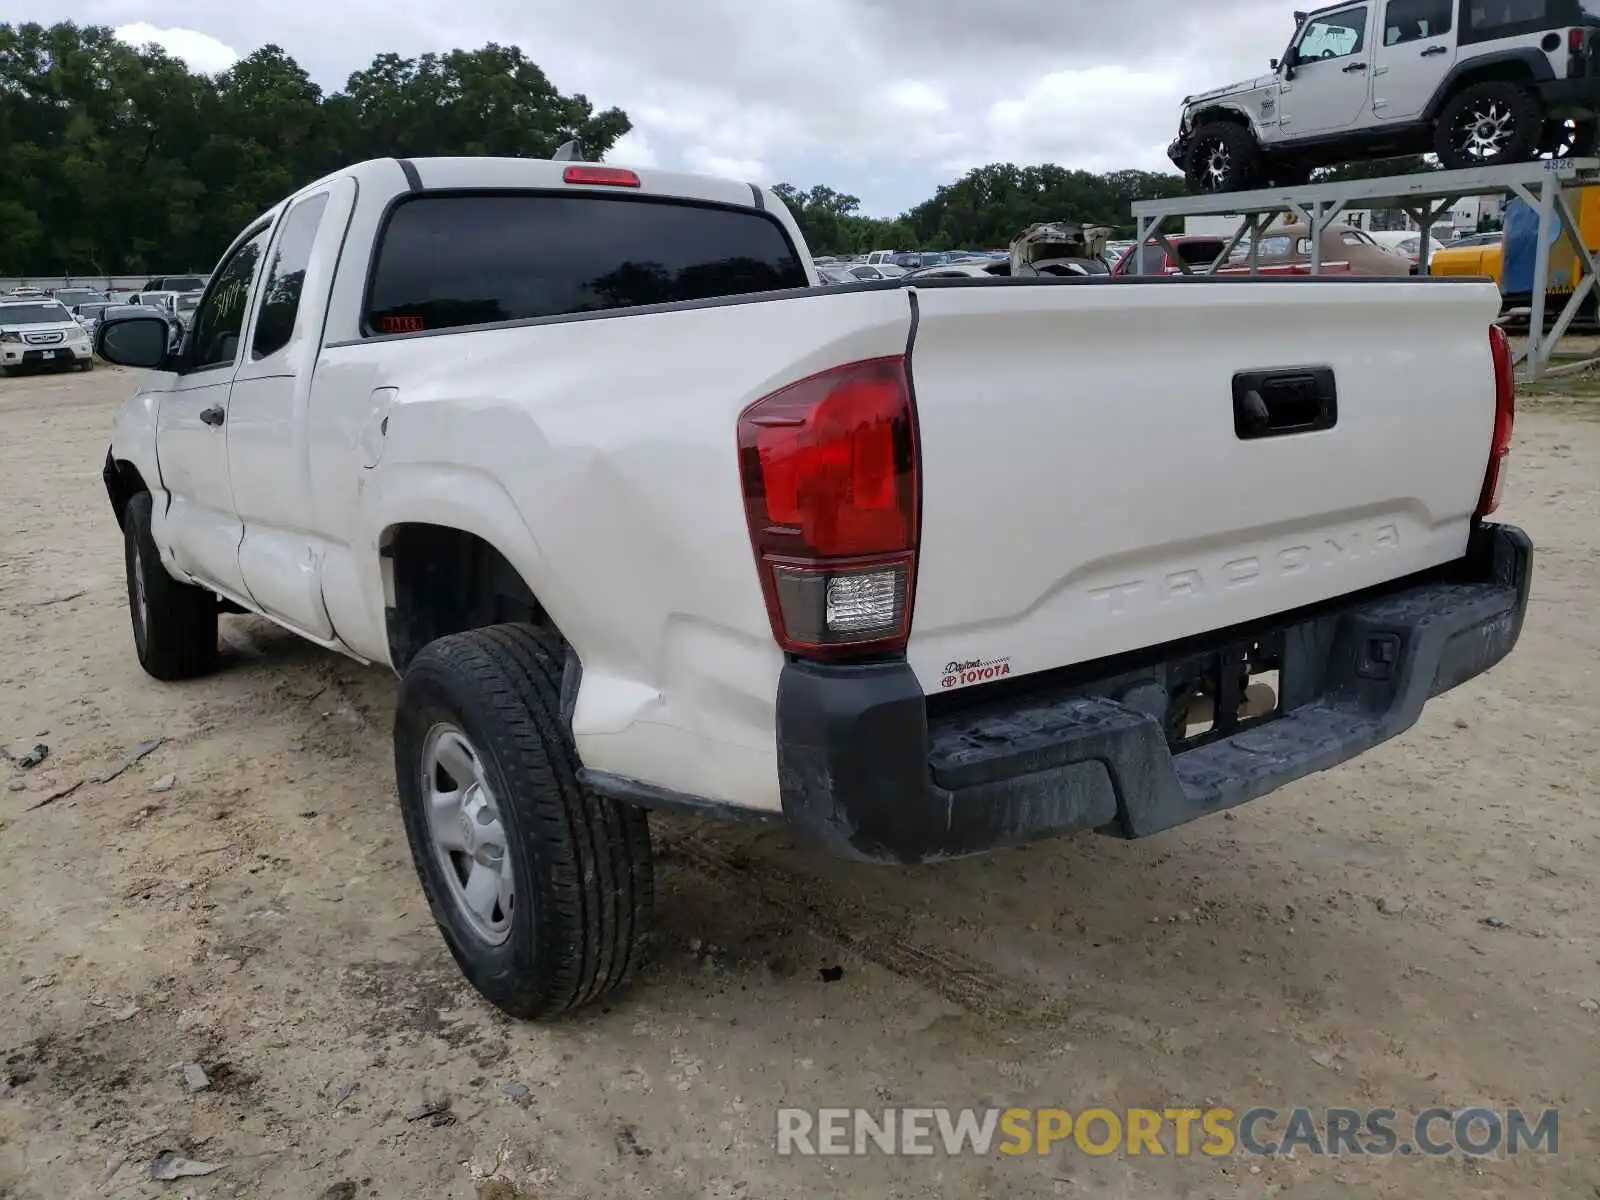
point(1434, 50)
point(1354, 67)
point(213, 415)
point(1274, 403)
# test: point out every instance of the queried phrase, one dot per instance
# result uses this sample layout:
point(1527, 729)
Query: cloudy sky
point(884, 99)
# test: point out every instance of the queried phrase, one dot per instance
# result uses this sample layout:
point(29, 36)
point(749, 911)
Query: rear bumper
point(867, 772)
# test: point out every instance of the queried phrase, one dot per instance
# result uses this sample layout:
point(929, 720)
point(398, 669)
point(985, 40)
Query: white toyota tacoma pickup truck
point(645, 518)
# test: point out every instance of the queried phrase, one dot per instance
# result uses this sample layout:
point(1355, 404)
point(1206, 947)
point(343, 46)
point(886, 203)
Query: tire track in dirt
point(809, 905)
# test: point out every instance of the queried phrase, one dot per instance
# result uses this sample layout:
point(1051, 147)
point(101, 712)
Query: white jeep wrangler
point(1477, 82)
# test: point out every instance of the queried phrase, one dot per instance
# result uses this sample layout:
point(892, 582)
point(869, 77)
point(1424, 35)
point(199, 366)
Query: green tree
point(121, 159)
point(488, 101)
point(989, 205)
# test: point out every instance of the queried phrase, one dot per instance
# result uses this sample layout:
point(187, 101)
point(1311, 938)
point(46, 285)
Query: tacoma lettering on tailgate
point(1235, 574)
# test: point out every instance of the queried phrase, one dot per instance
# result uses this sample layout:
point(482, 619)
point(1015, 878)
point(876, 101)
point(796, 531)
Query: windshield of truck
point(33, 314)
point(447, 261)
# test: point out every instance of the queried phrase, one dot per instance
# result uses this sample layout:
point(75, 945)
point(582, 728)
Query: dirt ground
point(260, 917)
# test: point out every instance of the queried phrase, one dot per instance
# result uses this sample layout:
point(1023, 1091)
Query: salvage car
point(643, 520)
point(1477, 255)
point(1477, 83)
point(1058, 248)
point(1360, 254)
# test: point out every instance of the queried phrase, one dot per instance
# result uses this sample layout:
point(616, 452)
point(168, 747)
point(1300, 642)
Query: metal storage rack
point(1545, 185)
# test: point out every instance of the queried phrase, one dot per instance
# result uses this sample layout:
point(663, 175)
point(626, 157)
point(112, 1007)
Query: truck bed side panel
point(615, 438)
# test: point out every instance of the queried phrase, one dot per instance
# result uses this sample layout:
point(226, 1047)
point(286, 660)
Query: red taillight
point(1575, 40)
point(1505, 416)
point(604, 176)
point(829, 468)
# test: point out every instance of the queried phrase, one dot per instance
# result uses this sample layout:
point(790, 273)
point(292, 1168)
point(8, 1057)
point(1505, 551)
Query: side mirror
point(1274, 64)
point(133, 341)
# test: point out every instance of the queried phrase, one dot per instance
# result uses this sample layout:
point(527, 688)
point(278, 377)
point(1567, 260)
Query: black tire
point(174, 623)
point(1563, 139)
point(1508, 111)
point(584, 860)
point(1222, 157)
point(86, 365)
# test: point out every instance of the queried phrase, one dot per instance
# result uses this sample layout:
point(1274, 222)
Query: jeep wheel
point(541, 888)
point(174, 623)
point(1568, 139)
point(1221, 158)
point(1487, 125)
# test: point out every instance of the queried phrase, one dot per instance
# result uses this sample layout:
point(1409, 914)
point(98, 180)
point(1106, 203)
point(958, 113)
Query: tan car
point(1287, 244)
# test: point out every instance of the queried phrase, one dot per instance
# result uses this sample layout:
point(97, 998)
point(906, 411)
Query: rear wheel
point(1489, 124)
point(1221, 157)
point(542, 889)
point(174, 623)
point(1568, 139)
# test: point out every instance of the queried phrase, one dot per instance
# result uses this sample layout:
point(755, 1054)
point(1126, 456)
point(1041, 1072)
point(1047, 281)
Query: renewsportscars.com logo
point(1180, 1132)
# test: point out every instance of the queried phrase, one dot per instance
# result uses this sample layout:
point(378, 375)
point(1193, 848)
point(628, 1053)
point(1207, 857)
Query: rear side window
point(1490, 19)
point(451, 260)
point(280, 300)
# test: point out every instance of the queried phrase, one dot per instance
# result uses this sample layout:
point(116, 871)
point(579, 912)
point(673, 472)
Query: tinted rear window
point(448, 260)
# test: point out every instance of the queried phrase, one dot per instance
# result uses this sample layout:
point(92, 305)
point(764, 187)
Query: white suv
point(1477, 82)
point(41, 333)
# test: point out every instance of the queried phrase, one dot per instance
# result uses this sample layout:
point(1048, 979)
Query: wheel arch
point(123, 482)
point(441, 579)
point(1228, 113)
point(1527, 64)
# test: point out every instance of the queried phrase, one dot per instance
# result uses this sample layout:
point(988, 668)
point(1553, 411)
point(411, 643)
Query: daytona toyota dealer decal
point(959, 674)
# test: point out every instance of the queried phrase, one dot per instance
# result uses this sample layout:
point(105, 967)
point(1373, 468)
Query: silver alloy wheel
point(1485, 129)
point(468, 835)
point(141, 603)
point(1217, 164)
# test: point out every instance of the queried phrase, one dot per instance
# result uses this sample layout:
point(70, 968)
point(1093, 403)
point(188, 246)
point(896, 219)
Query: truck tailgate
point(1086, 490)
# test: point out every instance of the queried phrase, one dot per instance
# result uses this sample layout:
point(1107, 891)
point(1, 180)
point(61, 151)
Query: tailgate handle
point(1285, 401)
